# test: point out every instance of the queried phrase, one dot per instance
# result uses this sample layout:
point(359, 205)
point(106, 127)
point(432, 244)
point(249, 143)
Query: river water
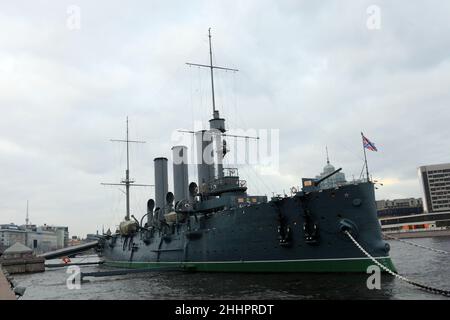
point(415, 263)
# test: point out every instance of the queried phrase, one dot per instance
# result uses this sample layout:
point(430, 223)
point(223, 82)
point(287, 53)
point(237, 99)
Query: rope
point(416, 245)
point(443, 292)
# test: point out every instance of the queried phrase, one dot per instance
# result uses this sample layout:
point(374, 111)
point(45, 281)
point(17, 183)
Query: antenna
point(328, 158)
point(27, 218)
point(211, 67)
point(127, 182)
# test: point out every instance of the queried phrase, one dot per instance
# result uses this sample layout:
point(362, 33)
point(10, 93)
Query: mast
point(367, 168)
point(127, 178)
point(127, 182)
point(216, 124)
point(365, 160)
point(211, 68)
point(212, 72)
point(328, 158)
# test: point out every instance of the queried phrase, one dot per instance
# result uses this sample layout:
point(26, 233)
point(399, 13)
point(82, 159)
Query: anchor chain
point(443, 292)
point(416, 245)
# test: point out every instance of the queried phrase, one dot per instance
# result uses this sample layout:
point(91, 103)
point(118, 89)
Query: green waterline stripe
point(318, 265)
point(251, 261)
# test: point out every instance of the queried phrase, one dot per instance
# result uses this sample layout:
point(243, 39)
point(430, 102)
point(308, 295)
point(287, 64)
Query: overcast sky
point(318, 71)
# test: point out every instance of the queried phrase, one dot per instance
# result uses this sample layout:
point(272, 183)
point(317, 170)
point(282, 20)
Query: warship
point(216, 225)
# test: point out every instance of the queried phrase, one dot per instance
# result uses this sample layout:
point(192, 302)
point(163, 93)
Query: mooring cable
point(416, 245)
point(430, 289)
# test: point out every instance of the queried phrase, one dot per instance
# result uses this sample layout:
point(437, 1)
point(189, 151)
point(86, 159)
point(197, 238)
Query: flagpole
point(365, 158)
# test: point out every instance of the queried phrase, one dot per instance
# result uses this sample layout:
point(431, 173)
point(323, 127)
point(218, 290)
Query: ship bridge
point(229, 182)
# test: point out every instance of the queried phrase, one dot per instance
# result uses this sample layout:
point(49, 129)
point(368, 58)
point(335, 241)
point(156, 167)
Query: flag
point(368, 144)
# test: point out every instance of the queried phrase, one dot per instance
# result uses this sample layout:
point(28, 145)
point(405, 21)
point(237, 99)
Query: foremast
point(127, 182)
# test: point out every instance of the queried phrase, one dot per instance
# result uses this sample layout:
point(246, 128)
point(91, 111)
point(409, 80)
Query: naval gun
point(318, 182)
point(310, 184)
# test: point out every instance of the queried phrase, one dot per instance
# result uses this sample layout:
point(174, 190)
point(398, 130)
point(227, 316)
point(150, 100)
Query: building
point(62, 235)
point(74, 241)
point(39, 239)
point(435, 181)
point(92, 237)
point(10, 234)
point(333, 181)
point(399, 207)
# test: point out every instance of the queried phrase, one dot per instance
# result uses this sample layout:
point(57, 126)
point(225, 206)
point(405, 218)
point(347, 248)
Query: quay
point(6, 292)
point(419, 234)
point(20, 259)
point(422, 225)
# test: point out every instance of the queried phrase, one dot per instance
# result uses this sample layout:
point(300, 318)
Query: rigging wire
point(362, 171)
point(235, 119)
point(319, 128)
point(242, 120)
point(191, 96)
point(201, 105)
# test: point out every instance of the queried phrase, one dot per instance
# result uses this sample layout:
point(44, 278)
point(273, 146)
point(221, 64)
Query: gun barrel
point(327, 176)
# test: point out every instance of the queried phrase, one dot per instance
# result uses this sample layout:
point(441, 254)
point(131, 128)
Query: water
point(415, 263)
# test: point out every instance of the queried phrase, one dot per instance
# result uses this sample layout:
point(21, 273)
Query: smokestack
point(161, 183)
point(205, 157)
point(180, 172)
point(217, 125)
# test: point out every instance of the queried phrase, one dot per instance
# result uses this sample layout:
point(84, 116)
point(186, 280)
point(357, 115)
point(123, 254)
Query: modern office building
point(435, 181)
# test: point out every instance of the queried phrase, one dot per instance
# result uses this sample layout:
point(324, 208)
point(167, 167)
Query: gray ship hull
point(273, 236)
